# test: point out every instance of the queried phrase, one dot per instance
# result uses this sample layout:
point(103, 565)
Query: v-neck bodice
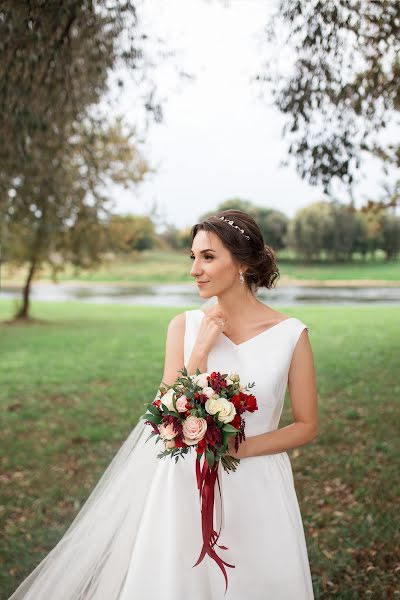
point(264, 358)
point(254, 336)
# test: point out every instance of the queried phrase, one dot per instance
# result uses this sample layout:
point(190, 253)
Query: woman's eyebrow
point(204, 251)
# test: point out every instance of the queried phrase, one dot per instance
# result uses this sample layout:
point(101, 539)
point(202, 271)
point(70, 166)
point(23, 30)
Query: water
point(187, 294)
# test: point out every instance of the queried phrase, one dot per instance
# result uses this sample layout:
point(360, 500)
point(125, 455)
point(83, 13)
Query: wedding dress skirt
point(139, 533)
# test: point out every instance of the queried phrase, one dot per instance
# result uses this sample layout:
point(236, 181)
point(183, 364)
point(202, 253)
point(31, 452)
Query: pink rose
point(167, 432)
point(193, 430)
point(181, 404)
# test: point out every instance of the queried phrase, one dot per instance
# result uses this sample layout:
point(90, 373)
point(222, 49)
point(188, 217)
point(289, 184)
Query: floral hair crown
point(232, 225)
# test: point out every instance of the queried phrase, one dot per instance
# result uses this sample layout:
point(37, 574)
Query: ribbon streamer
point(206, 479)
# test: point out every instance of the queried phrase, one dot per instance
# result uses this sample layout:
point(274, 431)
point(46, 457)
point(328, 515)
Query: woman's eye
point(205, 256)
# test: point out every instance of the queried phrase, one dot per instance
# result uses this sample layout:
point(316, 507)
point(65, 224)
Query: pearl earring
point(241, 278)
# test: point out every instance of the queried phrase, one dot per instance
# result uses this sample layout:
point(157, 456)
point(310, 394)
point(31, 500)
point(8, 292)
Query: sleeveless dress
point(138, 535)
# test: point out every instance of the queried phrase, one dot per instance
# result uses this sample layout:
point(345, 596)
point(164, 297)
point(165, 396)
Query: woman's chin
point(204, 293)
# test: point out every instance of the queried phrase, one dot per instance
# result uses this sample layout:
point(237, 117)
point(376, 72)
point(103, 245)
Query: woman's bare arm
point(174, 359)
point(174, 352)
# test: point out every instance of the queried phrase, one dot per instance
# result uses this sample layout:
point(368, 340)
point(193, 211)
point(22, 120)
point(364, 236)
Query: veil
point(91, 560)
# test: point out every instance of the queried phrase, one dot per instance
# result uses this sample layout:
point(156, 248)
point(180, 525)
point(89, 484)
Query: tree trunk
point(23, 312)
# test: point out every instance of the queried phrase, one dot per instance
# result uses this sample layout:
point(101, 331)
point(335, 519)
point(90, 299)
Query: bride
point(138, 535)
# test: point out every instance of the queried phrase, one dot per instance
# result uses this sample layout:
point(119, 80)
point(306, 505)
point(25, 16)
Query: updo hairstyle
point(259, 258)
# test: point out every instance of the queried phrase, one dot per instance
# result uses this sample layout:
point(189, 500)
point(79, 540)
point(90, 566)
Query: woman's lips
point(201, 282)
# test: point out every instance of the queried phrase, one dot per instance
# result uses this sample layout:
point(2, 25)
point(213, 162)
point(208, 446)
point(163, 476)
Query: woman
point(139, 533)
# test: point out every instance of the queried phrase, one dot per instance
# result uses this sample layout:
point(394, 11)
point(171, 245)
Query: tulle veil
point(91, 560)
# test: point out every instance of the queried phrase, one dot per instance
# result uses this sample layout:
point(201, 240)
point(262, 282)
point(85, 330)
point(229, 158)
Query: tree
point(340, 238)
point(273, 223)
point(310, 230)
point(62, 213)
point(344, 87)
point(128, 233)
point(390, 224)
point(59, 151)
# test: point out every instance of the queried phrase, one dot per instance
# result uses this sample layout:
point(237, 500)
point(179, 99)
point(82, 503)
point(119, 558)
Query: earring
point(241, 278)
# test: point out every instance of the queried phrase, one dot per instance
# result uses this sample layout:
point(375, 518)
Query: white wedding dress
point(138, 535)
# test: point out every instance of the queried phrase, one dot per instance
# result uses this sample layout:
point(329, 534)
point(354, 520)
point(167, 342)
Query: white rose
point(208, 391)
point(226, 409)
point(201, 380)
point(167, 399)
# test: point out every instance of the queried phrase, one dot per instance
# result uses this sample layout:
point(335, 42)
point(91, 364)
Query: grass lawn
point(73, 387)
point(173, 267)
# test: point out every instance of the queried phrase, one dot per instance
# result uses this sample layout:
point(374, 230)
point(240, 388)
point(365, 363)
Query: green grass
point(153, 267)
point(73, 387)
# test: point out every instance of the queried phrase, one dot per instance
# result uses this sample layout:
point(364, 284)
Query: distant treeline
point(325, 228)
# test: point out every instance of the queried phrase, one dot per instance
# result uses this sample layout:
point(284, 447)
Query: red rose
point(237, 402)
point(251, 403)
point(236, 422)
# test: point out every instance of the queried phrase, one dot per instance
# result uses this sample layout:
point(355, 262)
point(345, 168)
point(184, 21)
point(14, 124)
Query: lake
point(186, 294)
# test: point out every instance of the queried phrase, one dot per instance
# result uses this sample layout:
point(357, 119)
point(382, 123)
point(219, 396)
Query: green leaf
point(229, 428)
point(210, 458)
point(153, 409)
point(157, 419)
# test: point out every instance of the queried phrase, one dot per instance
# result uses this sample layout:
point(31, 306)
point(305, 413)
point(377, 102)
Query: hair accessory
point(232, 225)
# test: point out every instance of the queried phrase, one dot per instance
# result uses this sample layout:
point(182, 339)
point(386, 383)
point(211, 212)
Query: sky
point(218, 138)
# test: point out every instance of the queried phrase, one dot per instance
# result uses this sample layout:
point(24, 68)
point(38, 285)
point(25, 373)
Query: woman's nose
point(195, 270)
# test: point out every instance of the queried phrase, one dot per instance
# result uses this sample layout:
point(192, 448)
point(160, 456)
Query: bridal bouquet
point(202, 411)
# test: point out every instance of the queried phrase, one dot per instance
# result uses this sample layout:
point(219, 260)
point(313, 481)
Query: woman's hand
point(211, 326)
point(241, 453)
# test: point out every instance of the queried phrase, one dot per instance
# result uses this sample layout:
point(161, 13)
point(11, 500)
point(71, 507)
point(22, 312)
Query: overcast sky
point(218, 139)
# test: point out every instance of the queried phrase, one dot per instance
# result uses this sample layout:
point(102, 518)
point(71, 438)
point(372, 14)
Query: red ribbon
point(206, 479)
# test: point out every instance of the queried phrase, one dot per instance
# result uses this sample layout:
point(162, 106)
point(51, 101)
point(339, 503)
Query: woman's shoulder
point(176, 325)
point(177, 322)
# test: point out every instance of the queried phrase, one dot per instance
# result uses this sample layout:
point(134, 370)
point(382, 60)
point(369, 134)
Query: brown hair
point(254, 253)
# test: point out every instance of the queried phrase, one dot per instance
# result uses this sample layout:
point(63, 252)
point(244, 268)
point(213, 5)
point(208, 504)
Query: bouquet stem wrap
point(206, 480)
